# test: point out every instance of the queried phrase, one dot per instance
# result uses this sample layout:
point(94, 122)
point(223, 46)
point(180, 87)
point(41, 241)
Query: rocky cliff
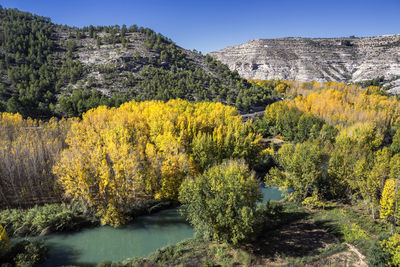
point(320, 59)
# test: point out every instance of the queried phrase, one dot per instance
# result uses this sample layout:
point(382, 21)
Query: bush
point(392, 247)
point(25, 253)
point(353, 232)
point(54, 217)
point(315, 202)
point(376, 255)
point(221, 203)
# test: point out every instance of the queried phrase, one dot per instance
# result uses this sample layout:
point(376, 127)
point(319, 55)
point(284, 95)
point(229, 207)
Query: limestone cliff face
point(320, 59)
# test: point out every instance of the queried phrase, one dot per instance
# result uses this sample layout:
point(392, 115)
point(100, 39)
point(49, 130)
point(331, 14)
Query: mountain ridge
point(56, 70)
point(345, 59)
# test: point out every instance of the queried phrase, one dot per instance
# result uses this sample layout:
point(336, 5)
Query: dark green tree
point(221, 203)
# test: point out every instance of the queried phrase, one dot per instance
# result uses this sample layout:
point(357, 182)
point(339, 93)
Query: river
point(137, 239)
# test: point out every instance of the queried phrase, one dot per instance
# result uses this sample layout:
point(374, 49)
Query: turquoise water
point(271, 193)
point(137, 239)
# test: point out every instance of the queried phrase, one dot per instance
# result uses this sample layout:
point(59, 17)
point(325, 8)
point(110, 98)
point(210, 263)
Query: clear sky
point(211, 25)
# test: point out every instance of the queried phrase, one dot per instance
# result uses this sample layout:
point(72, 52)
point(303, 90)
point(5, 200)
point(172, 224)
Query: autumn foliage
point(116, 156)
point(345, 143)
point(28, 150)
point(4, 241)
point(339, 103)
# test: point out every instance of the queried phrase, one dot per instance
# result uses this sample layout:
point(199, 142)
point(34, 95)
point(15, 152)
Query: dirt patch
point(352, 257)
point(360, 257)
point(342, 259)
point(297, 239)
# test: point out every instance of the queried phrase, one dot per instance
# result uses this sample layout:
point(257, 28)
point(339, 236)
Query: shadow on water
point(163, 218)
point(61, 255)
point(139, 238)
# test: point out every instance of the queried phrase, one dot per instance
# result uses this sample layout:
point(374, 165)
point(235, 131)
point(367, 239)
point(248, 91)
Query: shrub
point(376, 255)
point(315, 202)
point(392, 247)
point(353, 232)
point(221, 203)
point(56, 217)
point(25, 253)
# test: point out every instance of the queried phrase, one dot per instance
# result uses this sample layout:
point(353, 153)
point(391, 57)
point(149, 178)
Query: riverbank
point(291, 235)
point(62, 217)
point(294, 235)
point(43, 220)
point(159, 225)
point(29, 229)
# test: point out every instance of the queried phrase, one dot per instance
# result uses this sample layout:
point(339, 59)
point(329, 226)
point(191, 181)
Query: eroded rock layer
point(320, 59)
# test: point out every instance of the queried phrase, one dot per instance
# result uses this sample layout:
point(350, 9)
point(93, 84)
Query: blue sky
point(211, 25)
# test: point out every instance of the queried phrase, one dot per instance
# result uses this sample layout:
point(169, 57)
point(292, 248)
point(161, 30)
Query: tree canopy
point(118, 155)
point(221, 203)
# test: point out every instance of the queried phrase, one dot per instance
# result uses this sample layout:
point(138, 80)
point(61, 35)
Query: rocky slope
point(320, 59)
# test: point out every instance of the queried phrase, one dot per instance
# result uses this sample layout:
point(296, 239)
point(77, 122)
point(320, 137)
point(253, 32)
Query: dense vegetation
point(331, 144)
point(28, 150)
point(22, 253)
point(30, 61)
point(44, 219)
point(351, 155)
point(116, 156)
point(26, 60)
point(43, 72)
point(113, 158)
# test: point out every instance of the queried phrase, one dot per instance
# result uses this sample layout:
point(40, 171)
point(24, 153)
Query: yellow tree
point(147, 149)
point(390, 200)
point(395, 166)
point(389, 209)
point(378, 175)
point(102, 167)
point(4, 241)
point(354, 145)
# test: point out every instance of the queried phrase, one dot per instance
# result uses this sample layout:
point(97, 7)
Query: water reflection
point(137, 239)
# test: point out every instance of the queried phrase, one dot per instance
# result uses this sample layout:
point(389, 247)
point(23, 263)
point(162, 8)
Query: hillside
point(48, 69)
point(317, 59)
